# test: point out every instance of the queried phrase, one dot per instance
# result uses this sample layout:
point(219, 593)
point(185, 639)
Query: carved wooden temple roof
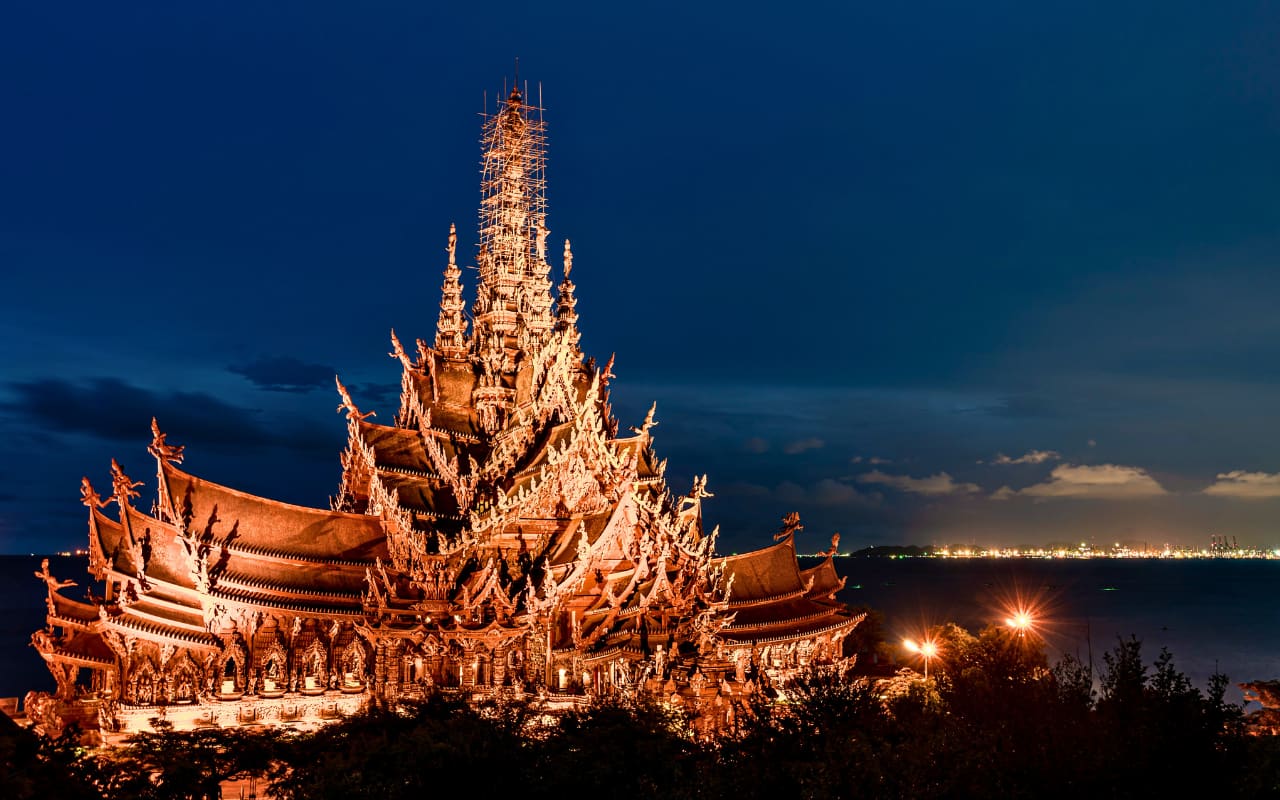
point(497, 502)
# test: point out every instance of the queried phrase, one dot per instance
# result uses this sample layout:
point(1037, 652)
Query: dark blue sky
point(857, 254)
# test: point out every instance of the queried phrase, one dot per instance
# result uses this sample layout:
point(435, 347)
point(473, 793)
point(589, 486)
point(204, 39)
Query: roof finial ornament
point(790, 526)
point(699, 489)
point(397, 351)
point(452, 249)
point(568, 259)
point(649, 421)
point(124, 486)
point(89, 496)
point(835, 544)
point(162, 449)
point(53, 583)
point(348, 404)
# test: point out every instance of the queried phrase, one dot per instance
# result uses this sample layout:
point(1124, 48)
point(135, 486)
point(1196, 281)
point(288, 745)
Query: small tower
point(451, 329)
point(566, 308)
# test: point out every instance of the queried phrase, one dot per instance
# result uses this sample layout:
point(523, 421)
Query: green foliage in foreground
point(994, 721)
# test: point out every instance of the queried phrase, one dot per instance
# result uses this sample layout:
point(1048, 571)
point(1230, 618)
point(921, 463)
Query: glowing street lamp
point(926, 649)
point(1021, 621)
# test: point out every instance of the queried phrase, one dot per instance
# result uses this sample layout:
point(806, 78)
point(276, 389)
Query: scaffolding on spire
point(513, 303)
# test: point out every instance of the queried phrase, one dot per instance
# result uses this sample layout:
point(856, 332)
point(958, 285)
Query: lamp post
point(926, 649)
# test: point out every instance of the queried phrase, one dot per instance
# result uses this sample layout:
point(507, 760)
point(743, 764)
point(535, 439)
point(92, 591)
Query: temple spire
point(513, 300)
point(451, 329)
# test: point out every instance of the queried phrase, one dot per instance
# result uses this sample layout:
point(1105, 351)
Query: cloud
point(1247, 485)
point(873, 460)
point(755, 445)
point(1030, 457)
point(826, 492)
point(1104, 481)
point(284, 374)
point(933, 485)
point(112, 410)
point(800, 445)
point(1003, 493)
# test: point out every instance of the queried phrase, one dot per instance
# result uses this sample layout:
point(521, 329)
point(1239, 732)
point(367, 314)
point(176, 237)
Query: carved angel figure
point(452, 249)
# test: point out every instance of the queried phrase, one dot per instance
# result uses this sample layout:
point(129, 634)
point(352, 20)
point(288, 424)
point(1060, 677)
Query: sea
point(1211, 614)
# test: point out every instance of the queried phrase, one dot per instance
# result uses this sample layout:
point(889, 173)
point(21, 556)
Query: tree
point(190, 765)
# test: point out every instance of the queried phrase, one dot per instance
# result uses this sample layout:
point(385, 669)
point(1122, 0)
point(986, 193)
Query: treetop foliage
point(993, 720)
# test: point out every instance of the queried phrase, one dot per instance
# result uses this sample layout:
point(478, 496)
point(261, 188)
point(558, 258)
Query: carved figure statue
point(568, 260)
point(53, 583)
point(355, 661)
point(699, 490)
point(90, 497)
point(162, 449)
point(452, 249)
point(348, 404)
point(541, 240)
point(649, 422)
point(397, 351)
point(790, 524)
point(124, 486)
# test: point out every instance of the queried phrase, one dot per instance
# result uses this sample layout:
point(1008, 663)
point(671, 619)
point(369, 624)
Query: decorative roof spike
point(89, 496)
point(790, 526)
point(566, 305)
point(451, 328)
point(397, 351)
point(162, 449)
point(124, 486)
point(649, 422)
point(348, 404)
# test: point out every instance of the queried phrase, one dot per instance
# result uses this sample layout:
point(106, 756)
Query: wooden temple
point(499, 535)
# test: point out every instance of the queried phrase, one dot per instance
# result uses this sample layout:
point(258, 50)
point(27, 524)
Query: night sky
point(923, 272)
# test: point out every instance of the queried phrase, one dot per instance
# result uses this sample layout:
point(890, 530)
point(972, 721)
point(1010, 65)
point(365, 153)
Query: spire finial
point(568, 259)
point(162, 449)
point(453, 244)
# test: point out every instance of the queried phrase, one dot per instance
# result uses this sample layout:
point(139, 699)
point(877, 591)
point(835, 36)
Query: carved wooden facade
point(498, 535)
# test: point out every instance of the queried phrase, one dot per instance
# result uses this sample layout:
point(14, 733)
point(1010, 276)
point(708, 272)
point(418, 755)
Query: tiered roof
point(500, 502)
